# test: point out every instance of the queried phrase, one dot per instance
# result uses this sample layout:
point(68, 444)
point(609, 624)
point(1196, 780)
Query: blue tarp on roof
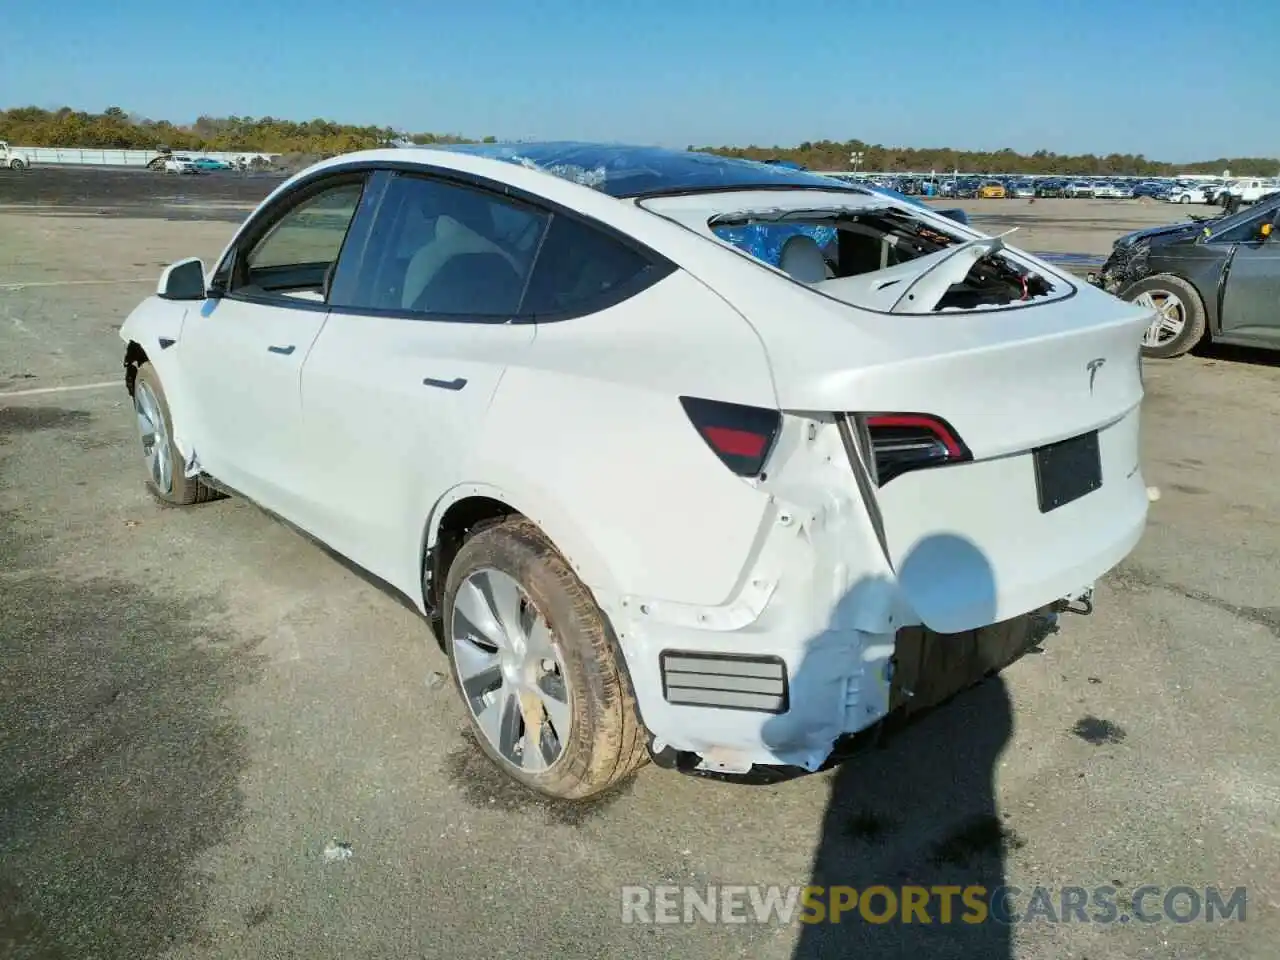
point(626, 171)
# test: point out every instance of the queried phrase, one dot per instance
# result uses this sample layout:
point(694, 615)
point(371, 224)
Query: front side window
point(444, 248)
point(1248, 230)
point(295, 255)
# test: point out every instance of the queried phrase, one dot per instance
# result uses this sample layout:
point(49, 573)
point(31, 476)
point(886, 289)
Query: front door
point(1251, 304)
point(243, 351)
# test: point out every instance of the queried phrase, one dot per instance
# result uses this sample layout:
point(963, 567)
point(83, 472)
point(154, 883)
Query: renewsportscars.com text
point(940, 904)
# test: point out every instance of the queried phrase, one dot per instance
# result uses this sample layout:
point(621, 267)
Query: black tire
point(183, 490)
point(17, 166)
point(606, 742)
point(1193, 328)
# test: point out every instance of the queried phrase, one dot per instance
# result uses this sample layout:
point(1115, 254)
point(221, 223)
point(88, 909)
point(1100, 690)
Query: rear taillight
point(902, 442)
point(741, 436)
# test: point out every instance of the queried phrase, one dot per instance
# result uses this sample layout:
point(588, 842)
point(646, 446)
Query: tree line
point(116, 128)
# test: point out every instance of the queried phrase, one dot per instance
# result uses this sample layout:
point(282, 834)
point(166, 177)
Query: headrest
point(802, 259)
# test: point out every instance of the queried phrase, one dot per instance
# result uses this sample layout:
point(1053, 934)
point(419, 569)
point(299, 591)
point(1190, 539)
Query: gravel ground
point(218, 741)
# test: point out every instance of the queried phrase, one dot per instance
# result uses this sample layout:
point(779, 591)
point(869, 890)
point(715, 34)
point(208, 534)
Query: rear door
point(242, 353)
point(395, 391)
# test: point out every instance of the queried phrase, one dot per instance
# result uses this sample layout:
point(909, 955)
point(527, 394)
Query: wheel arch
point(469, 506)
point(134, 357)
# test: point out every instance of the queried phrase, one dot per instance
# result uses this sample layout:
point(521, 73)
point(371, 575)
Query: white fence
point(91, 156)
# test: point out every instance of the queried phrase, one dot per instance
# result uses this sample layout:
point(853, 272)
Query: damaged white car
point(686, 457)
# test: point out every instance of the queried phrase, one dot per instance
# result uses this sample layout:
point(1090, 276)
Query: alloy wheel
point(1170, 319)
point(512, 676)
point(154, 436)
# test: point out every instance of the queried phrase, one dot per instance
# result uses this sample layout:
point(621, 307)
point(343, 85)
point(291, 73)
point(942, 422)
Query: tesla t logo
point(1093, 366)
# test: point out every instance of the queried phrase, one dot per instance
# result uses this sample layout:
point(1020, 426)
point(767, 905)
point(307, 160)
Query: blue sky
point(1173, 81)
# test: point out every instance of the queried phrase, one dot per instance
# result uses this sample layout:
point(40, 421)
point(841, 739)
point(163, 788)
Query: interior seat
point(802, 259)
point(472, 283)
point(451, 239)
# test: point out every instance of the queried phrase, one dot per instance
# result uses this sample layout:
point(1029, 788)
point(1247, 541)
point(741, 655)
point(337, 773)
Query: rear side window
point(580, 268)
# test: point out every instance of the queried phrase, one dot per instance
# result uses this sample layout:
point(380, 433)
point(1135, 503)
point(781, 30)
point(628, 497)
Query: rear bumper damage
point(826, 637)
point(762, 718)
point(926, 670)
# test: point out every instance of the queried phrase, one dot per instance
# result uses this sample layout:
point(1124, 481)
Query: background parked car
point(12, 158)
point(1217, 279)
point(180, 165)
point(1190, 193)
point(992, 190)
point(1078, 188)
point(209, 164)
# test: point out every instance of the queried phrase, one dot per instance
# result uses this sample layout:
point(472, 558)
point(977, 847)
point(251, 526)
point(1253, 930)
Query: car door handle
point(283, 350)
point(457, 383)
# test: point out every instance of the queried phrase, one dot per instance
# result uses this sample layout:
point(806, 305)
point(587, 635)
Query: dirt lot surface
point(1084, 227)
point(217, 741)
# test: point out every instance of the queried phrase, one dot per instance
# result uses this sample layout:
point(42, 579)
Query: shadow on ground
point(920, 812)
point(1229, 353)
point(118, 761)
point(912, 814)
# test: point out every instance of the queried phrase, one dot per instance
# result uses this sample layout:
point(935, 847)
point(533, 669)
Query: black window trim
point(658, 269)
point(266, 217)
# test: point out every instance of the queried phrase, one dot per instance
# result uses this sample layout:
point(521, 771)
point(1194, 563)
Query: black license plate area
point(1067, 470)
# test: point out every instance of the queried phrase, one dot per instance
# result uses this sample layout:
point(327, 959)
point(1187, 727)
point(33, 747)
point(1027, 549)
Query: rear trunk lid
point(1007, 380)
point(1014, 526)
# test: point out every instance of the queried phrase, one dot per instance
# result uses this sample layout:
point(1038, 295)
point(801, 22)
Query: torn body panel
point(817, 593)
point(821, 594)
point(150, 332)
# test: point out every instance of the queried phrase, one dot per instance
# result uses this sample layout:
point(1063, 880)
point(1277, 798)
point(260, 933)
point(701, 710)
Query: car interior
point(871, 241)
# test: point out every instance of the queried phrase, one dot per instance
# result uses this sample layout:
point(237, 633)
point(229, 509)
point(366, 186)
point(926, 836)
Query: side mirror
point(958, 215)
point(183, 280)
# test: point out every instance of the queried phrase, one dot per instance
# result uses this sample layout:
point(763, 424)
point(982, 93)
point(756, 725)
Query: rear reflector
point(724, 681)
point(741, 436)
point(902, 442)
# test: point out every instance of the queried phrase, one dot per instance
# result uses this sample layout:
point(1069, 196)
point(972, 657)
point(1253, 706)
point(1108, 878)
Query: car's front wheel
point(1179, 321)
point(536, 664)
point(166, 476)
point(17, 166)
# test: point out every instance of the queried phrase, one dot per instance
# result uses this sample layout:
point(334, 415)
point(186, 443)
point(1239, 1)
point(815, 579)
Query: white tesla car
point(675, 449)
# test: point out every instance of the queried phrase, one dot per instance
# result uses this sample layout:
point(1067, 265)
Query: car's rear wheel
point(166, 477)
point(536, 664)
point(1179, 323)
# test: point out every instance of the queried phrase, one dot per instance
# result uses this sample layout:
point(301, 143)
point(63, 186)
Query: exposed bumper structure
point(807, 652)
